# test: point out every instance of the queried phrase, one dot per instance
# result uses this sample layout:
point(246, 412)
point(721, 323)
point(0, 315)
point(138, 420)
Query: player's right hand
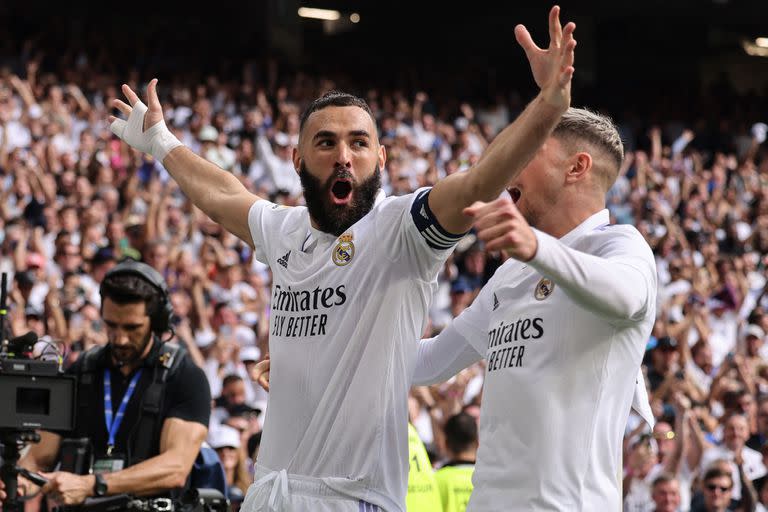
point(503, 228)
point(145, 128)
point(260, 373)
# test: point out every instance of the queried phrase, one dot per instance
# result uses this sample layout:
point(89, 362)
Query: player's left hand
point(552, 67)
point(501, 226)
point(68, 488)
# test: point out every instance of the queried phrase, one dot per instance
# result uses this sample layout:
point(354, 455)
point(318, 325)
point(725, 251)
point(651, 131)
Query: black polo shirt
point(187, 396)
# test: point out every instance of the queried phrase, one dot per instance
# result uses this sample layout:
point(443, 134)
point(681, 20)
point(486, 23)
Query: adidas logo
point(284, 260)
point(495, 302)
point(423, 212)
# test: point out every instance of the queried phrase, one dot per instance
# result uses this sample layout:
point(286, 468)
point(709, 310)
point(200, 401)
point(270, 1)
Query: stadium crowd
point(74, 200)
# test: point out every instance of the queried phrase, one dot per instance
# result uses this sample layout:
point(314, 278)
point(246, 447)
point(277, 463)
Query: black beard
point(334, 218)
point(133, 356)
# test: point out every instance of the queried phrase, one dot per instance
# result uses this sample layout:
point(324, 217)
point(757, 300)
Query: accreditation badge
point(109, 464)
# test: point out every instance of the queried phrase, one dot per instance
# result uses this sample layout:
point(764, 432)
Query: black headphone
point(161, 318)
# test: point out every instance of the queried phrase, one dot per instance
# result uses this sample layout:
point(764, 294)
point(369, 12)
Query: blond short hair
point(580, 129)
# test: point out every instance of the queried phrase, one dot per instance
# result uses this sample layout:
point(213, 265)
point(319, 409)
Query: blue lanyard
point(113, 425)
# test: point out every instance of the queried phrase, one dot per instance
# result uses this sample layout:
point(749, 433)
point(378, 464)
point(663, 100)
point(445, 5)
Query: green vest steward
point(423, 495)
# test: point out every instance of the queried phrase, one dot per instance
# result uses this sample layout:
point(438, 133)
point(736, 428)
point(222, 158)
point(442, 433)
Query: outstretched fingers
point(122, 107)
point(568, 31)
point(525, 40)
point(152, 98)
point(132, 97)
point(117, 125)
point(555, 29)
point(567, 63)
point(568, 40)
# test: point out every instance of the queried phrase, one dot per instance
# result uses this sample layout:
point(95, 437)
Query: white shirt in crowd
point(723, 335)
point(563, 336)
point(347, 314)
point(753, 465)
point(640, 495)
point(281, 171)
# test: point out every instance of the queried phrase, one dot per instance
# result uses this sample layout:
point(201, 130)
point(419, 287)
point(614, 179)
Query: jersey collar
point(596, 221)
point(314, 235)
point(380, 196)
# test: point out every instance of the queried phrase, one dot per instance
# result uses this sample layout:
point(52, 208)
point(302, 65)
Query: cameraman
point(147, 428)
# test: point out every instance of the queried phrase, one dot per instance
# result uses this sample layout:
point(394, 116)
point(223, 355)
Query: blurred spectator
point(717, 488)
point(226, 441)
point(232, 396)
point(758, 439)
point(664, 361)
point(665, 492)
point(735, 435)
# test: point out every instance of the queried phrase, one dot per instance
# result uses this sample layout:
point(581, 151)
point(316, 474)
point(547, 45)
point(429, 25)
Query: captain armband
point(426, 222)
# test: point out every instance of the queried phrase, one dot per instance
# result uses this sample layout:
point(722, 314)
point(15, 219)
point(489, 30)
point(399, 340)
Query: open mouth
point(341, 191)
point(514, 192)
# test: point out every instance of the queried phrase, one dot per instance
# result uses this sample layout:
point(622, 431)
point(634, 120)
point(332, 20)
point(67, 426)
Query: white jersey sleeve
point(473, 322)
point(413, 234)
point(266, 221)
point(617, 281)
point(443, 356)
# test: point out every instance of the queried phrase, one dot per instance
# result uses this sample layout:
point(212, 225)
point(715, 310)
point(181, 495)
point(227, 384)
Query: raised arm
point(218, 193)
point(517, 144)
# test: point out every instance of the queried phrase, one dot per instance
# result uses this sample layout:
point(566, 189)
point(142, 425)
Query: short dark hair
point(229, 379)
point(731, 399)
point(130, 289)
point(663, 478)
point(334, 99)
point(717, 472)
point(460, 432)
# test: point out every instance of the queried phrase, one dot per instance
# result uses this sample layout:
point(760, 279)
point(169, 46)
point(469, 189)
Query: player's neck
point(564, 218)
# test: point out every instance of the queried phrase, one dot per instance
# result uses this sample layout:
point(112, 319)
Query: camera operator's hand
point(68, 488)
point(23, 488)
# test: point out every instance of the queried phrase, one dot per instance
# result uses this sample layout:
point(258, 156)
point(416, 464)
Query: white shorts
point(277, 491)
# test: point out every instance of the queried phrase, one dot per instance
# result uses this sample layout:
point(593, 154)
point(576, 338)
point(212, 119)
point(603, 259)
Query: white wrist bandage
point(158, 140)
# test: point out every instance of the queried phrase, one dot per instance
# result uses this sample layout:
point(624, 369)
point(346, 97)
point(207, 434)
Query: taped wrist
point(162, 141)
point(158, 140)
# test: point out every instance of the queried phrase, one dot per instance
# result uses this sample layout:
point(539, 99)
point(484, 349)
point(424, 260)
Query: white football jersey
point(346, 316)
point(565, 341)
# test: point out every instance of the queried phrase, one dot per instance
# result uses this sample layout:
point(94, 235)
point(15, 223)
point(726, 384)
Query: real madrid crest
point(344, 251)
point(544, 289)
